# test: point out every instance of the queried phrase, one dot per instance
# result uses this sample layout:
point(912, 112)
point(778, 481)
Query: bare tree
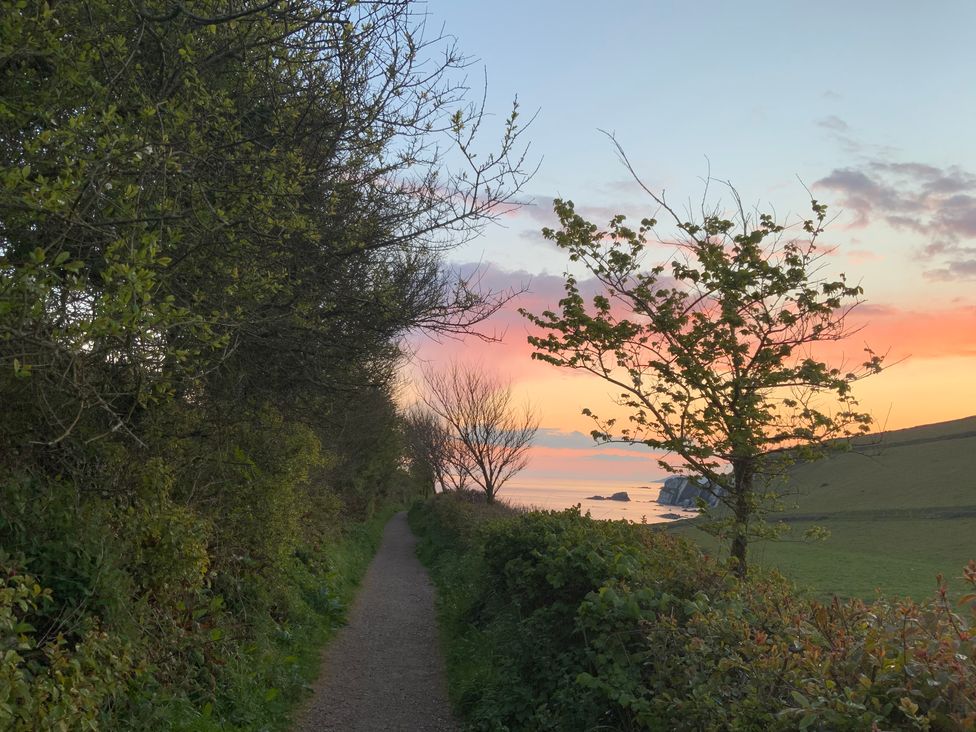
point(435, 451)
point(429, 444)
point(492, 435)
point(459, 464)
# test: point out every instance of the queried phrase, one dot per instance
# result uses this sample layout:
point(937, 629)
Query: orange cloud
point(932, 382)
point(919, 334)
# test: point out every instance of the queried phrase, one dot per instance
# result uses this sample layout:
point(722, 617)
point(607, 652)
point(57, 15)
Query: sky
point(868, 105)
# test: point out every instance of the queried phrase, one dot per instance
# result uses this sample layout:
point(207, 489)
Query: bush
point(46, 680)
point(570, 623)
point(114, 614)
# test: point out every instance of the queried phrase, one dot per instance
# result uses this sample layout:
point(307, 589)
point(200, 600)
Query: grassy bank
point(270, 676)
point(900, 510)
point(277, 670)
point(553, 621)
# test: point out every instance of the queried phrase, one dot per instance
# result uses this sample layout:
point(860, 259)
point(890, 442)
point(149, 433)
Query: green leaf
point(800, 699)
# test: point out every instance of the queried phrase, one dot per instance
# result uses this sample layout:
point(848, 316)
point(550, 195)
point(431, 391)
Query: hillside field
point(900, 508)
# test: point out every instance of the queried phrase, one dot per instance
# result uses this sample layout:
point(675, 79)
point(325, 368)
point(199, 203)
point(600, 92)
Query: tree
point(249, 203)
point(460, 464)
point(492, 437)
point(712, 350)
point(218, 221)
point(428, 446)
point(434, 451)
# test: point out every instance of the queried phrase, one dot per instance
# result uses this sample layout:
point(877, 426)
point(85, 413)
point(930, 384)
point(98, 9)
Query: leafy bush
point(114, 616)
point(46, 680)
point(569, 623)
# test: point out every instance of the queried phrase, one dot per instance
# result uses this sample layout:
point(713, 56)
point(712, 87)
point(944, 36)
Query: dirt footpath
point(384, 671)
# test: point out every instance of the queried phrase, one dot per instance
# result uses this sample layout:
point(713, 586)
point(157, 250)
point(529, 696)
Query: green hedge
point(116, 618)
point(555, 621)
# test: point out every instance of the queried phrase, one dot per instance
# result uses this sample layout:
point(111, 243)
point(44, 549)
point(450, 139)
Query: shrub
point(46, 680)
point(571, 623)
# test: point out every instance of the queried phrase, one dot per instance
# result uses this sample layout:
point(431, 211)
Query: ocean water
point(642, 506)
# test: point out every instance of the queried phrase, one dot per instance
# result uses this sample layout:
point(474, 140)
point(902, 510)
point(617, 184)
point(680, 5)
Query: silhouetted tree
point(710, 350)
point(428, 445)
point(492, 435)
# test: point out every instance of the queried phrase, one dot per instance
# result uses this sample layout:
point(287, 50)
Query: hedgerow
point(139, 617)
point(559, 622)
point(216, 231)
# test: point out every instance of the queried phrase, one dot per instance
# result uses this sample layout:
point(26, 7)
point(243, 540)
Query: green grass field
point(901, 509)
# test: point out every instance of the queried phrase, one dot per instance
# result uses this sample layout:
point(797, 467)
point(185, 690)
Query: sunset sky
point(870, 105)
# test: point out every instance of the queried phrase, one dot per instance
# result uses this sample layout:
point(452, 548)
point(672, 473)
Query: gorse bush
point(572, 624)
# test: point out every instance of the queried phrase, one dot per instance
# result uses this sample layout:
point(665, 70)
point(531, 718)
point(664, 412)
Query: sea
point(642, 506)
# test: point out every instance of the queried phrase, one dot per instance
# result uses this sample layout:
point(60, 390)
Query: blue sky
point(871, 104)
point(771, 92)
point(745, 83)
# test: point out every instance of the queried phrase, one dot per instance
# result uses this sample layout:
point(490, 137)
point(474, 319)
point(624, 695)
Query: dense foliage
point(558, 622)
point(217, 221)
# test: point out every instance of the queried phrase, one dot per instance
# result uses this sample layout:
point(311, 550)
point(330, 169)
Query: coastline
point(642, 506)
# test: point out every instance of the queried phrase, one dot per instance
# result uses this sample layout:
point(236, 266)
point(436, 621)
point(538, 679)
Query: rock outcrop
point(621, 496)
point(680, 490)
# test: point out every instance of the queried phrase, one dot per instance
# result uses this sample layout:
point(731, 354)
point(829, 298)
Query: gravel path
point(384, 671)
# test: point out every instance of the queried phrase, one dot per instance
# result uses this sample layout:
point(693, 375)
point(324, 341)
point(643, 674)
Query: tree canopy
point(244, 198)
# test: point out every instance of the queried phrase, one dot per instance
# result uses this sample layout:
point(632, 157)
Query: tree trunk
point(742, 471)
point(740, 544)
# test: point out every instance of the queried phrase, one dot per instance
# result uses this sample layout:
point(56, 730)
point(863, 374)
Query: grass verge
point(263, 683)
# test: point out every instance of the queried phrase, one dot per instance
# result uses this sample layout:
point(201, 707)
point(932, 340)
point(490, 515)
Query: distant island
point(619, 496)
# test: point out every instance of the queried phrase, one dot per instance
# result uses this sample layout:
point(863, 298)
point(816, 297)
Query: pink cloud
point(508, 351)
point(597, 465)
point(885, 328)
point(861, 256)
point(920, 334)
point(932, 341)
